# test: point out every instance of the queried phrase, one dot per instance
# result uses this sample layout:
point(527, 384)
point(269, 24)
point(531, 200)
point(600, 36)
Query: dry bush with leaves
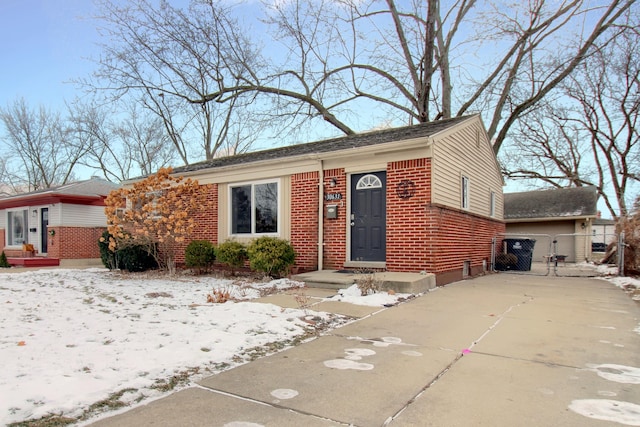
point(159, 212)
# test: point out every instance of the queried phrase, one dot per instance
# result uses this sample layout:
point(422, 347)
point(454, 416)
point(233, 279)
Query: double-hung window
point(16, 227)
point(254, 208)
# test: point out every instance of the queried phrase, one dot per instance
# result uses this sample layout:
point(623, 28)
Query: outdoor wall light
point(583, 225)
point(34, 213)
point(333, 182)
point(52, 232)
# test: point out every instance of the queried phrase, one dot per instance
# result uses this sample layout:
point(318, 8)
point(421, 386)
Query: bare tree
point(350, 64)
point(589, 134)
point(121, 142)
point(41, 146)
point(170, 60)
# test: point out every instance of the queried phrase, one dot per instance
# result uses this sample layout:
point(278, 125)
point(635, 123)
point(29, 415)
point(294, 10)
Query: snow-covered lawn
point(74, 343)
point(72, 338)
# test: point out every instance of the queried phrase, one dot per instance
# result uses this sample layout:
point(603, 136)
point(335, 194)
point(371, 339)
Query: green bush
point(271, 256)
point(4, 263)
point(231, 253)
point(135, 258)
point(131, 258)
point(108, 258)
point(200, 255)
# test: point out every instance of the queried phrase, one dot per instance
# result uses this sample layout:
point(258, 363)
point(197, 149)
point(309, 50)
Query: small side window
point(465, 192)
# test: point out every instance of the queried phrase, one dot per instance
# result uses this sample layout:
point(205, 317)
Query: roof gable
point(557, 204)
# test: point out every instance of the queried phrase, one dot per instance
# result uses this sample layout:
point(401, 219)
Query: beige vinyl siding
point(583, 240)
point(465, 151)
point(62, 215)
point(69, 215)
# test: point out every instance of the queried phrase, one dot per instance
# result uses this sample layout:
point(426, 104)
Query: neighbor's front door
point(44, 222)
point(368, 216)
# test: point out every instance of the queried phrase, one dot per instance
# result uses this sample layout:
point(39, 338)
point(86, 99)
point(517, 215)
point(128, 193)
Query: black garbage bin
point(523, 250)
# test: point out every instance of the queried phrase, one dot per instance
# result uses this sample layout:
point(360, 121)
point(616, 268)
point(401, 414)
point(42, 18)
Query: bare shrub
point(220, 295)
point(367, 283)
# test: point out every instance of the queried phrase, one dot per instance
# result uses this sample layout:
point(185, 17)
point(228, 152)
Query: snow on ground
point(71, 338)
point(631, 285)
point(353, 295)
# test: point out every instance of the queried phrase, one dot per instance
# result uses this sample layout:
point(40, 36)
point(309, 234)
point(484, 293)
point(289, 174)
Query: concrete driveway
point(499, 350)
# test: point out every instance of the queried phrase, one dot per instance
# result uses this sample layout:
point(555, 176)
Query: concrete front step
point(33, 262)
point(410, 283)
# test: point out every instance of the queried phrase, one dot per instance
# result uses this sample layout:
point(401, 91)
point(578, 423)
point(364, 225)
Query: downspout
point(587, 240)
point(320, 215)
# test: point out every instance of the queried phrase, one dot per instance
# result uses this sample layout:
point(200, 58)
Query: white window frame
point(464, 189)
point(9, 229)
point(368, 181)
point(253, 232)
point(154, 196)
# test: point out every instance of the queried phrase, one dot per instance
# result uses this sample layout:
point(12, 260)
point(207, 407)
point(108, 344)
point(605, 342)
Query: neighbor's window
point(492, 204)
point(465, 192)
point(16, 227)
point(254, 208)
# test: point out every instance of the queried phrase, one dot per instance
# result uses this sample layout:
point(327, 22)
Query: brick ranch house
point(418, 198)
point(63, 224)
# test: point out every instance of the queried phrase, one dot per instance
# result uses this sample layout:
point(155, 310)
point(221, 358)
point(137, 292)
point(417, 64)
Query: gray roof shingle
point(90, 187)
point(329, 145)
point(556, 203)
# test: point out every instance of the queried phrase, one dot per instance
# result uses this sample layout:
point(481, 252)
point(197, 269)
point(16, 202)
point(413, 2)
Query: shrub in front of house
point(135, 258)
point(199, 255)
point(271, 255)
point(107, 257)
point(231, 253)
point(4, 262)
point(132, 258)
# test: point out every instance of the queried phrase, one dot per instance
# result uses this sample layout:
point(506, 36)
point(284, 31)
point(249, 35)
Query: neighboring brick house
point(418, 198)
point(63, 224)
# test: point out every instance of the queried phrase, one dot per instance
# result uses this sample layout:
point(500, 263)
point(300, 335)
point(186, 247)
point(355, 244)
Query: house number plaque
point(330, 197)
point(406, 189)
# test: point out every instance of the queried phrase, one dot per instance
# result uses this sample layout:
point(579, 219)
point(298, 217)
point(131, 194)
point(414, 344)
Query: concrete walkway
point(500, 350)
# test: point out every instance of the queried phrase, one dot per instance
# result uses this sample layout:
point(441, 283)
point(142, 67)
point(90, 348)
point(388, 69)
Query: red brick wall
point(304, 219)
point(420, 236)
point(335, 231)
point(458, 236)
point(207, 228)
point(74, 242)
point(2, 239)
point(407, 222)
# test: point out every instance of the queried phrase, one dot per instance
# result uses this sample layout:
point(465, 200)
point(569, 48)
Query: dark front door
point(44, 222)
point(368, 216)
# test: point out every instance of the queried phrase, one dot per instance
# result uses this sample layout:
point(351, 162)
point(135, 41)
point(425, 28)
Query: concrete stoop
point(408, 283)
